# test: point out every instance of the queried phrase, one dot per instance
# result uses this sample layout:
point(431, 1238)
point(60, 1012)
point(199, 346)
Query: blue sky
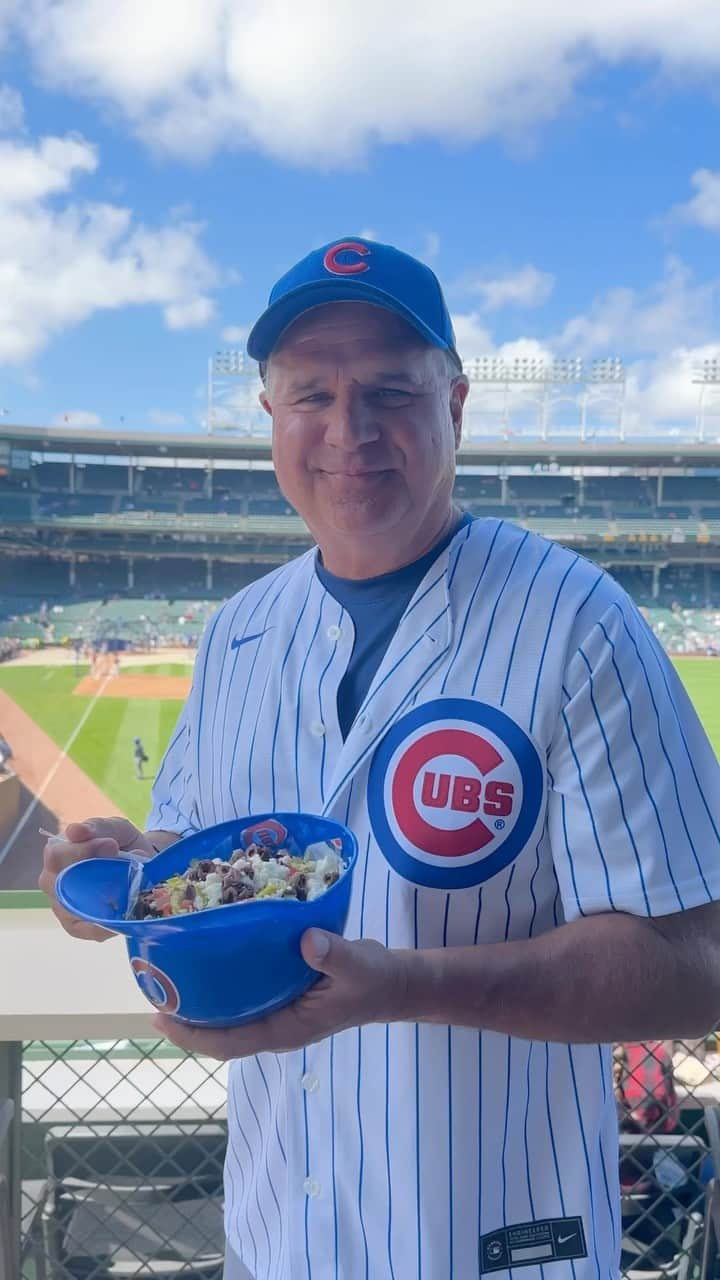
point(156, 175)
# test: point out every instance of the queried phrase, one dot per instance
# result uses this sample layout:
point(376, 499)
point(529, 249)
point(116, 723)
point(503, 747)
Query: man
point(537, 813)
point(139, 757)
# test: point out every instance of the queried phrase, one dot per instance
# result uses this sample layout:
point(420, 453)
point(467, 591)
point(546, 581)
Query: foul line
point(46, 781)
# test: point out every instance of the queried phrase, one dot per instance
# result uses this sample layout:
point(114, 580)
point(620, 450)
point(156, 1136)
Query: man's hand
point(364, 982)
point(94, 838)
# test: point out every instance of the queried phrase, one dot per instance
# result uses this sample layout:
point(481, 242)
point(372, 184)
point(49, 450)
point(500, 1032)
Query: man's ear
point(263, 398)
point(458, 395)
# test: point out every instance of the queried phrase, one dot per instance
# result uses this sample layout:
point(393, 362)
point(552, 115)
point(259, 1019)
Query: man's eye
point(390, 394)
point(318, 397)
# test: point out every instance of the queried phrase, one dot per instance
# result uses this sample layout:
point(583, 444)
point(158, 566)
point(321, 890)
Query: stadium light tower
point(707, 377)
point(549, 384)
point(232, 393)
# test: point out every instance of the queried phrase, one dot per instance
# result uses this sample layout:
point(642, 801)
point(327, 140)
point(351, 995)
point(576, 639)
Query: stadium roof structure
point(199, 446)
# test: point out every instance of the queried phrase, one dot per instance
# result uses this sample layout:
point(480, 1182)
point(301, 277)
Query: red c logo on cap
point(331, 263)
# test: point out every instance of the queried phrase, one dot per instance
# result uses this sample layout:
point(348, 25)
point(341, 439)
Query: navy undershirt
point(376, 606)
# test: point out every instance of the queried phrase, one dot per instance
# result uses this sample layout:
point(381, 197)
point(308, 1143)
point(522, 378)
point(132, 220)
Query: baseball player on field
point(537, 809)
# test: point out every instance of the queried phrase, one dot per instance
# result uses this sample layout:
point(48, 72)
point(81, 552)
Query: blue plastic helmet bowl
point(225, 965)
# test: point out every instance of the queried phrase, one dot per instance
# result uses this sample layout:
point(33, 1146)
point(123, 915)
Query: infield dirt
point(129, 686)
point(62, 791)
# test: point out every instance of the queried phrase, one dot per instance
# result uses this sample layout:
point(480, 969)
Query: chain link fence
point(123, 1145)
point(122, 1154)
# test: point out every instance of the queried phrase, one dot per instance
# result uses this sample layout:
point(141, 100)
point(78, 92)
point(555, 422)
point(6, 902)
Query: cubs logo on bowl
point(456, 790)
point(155, 985)
point(268, 833)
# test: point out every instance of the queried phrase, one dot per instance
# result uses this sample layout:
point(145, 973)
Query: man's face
point(366, 422)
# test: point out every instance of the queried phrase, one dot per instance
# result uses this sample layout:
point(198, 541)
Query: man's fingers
point(59, 854)
point(209, 1042)
point(120, 829)
point(93, 838)
point(78, 832)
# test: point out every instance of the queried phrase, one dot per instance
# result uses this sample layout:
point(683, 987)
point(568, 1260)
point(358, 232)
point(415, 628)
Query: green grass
point(103, 747)
point(701, 677)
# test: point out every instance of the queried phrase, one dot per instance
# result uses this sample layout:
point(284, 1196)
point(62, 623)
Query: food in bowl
point(248, 874)
point(243, 959)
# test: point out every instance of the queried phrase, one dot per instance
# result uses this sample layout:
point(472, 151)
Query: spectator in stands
point(140, 757)
point(645, 1087)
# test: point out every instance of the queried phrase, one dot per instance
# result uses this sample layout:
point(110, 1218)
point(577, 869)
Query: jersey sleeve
point(173, 799)
point(634, 785)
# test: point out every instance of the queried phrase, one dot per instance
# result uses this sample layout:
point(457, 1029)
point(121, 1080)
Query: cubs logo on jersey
point(455, 792)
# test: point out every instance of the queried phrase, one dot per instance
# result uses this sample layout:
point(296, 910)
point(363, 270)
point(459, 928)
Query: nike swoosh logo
point(564, 1239)
point(240, 640)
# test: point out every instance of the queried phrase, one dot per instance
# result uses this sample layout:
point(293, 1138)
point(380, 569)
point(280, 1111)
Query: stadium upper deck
point(671, 453)
point(109, 505)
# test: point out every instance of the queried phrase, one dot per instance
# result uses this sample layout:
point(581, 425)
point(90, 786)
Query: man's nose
point(349, 421)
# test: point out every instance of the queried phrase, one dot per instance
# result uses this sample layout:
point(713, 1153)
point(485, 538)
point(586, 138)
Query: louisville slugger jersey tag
point(529, 1243)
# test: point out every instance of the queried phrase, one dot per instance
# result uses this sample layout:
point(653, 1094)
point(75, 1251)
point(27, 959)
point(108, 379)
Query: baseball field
point(72, 738)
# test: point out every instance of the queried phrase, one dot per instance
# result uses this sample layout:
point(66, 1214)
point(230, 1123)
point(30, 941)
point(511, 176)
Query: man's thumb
point(323, 951)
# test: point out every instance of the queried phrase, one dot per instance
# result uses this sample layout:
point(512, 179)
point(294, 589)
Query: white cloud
point(235, 334)
point(664, 333)
point(474, 341)
point(704, 207)
point(12, 111)
point(29, 173)
point(194, 313)
point(310, 84)
point(77, 418)
point(63, 259)
point(472, 338)
point(166, 418)
point(672, 312)
point(525, 287)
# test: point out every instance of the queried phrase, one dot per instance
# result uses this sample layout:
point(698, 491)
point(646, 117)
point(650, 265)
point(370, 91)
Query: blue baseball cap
point(361, 271)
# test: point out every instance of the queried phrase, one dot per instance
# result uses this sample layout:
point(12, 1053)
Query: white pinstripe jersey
point(421, 1152)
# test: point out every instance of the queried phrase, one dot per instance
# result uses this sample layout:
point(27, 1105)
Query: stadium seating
point(14, 483)
point(267, 506)
point(636, 581)
point(22, 576)
point(232, 482)
point(478, 488)
point(224, 506)
point(15, 506)
point(165, 480)
point(211, 506)
point(620, 489)
point(691, 489)
point(51, 475)
point(496, 509)
point(101, 577)
point(99, 479)
point(77, 504)
point(136, 503)
point(542, 488)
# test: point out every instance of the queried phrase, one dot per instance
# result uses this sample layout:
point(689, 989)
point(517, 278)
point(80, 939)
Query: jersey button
point(333, 633)
point(364, 723)
point(310, 1082)
point(311, 1187)
point(318, 728)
